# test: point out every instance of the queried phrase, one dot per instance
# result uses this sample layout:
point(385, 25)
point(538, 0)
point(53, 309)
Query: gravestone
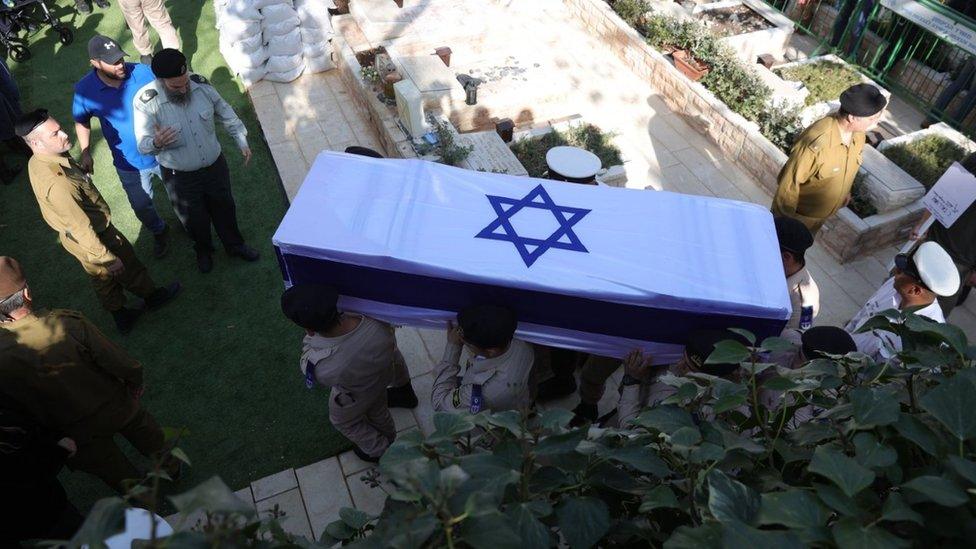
point(410, 107)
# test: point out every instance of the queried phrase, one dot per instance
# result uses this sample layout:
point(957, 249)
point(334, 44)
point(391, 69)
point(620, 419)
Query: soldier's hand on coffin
point(454, 334)
point(636, 365)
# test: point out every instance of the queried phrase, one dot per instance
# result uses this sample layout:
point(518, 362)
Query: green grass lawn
point(221, 360)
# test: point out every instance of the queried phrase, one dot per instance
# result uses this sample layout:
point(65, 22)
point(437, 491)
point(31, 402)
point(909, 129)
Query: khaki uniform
point(72, 206)
point(819, 174)
point(508, 381)
point(136, 12)
point(358, 366)
point(67, 375)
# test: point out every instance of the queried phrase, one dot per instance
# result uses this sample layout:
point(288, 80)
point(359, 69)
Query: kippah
point(311, 306)
point(862, 100)
point(793, 235)
point(29, 121)
point(168, 63)
point(821, 340)
point(487, 326)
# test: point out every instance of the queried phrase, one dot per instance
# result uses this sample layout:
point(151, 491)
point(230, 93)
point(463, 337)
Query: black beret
point(487, 326)
point(311, 306)
point(826, 339)
point(26, 123)
point(169, 63)
point(700, 345)
point(862, 100)
point(793, 235)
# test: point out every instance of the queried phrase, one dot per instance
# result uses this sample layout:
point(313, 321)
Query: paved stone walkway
point(662, 152)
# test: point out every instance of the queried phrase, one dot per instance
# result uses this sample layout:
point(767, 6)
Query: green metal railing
point(935, 75)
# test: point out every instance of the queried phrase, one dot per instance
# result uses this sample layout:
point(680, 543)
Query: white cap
point(936, 269)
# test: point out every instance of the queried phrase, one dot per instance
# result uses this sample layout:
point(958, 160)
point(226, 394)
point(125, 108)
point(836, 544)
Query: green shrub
point(632, 11)
point(927, 158)
point(532, 152)
point(448, 150)
point(826, 80)
point(860, 199)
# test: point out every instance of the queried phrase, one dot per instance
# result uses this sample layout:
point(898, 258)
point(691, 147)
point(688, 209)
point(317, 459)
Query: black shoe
point(125, 319)
point(161, 243)
point(146, 59)
point(584, 413)
point(244, 252)
point(205, 262)
point(364, 456)
point(401, 397)
point(556, 387)
point(163, 295)
point(83, 6)
point(103, 4)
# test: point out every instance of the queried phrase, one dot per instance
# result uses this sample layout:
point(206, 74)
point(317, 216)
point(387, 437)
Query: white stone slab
point(490, 154)
point(273, 485)
point(323, 489)
point(429, 73)
point(295, 519)
point(351, 464)
point(366, 498)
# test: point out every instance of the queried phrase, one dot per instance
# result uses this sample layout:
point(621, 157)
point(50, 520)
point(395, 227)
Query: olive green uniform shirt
point(818, 176)
point(61, 369)
point(71, 204)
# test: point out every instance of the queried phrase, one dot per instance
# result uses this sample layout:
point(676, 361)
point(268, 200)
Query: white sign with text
point(951, 195)
point(940, 25)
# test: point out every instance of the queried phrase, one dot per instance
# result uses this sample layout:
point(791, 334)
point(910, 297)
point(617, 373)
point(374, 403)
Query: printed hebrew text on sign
point(940, 25)
point(951, 195)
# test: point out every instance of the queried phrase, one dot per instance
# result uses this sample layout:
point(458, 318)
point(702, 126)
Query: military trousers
point(99, 455)
point(137, 12)
point(364, 417)
point(109, 288)
point(594, 376)
point(201, 197)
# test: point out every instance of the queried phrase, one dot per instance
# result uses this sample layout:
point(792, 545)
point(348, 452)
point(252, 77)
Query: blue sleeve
point(79, 109)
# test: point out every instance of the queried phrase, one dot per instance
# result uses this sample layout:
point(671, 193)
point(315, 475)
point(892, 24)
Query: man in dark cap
point(72, 206)
point(502, 373)
point(58, 367)
point(794, 239)
point(357, 358)
point(107, 93)
point(174, 121)
point(817, 178)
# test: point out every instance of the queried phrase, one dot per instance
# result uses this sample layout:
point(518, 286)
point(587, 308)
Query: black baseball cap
point(103, 48)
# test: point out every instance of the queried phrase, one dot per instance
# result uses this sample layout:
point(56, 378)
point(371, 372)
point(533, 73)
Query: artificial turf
point(221, 360)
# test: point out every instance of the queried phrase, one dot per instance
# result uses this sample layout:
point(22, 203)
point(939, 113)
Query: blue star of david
point(537, 198)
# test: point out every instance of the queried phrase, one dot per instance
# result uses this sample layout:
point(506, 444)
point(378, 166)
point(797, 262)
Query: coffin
point(596, 269)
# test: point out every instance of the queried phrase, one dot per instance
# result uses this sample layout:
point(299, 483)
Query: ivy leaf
point(339, 531)
point(874, 407)
point(937, 489)
point(793, 509)
point(777, 345)
point(666, 419)
point(871, 453)
point(951, 404)
point(564, 443)
point(849, 534)
point(583, 521)
point(106, 519)
point(843, 471)
point(896, 510)
point(729, 352)
point(555, 418)
point(953, 335)
point(661, 496)
point(912, 428)
point(641, 458)
point(509, 419)
point(836, 500)
point(533, 534)
point(779, 383)
point(211, 495)
point(686, 436)
point(451, 476)
point(964, 468)
point(731, 501)
point(354, 518)
point(746, 334)
point(491, 531)
point(707, 452)
point(736, 534)
point(706, 536)
point(448, 425)
point(728, 402)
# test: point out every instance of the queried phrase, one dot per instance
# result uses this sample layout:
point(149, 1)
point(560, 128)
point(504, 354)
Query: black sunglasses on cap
point(906, 264)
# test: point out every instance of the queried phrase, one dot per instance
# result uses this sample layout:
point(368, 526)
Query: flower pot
point(689, 66)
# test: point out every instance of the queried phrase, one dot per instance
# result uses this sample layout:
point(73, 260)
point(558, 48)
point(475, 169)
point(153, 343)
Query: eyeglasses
point(906, 264)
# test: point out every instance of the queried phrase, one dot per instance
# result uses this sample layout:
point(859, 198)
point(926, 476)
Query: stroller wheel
point(65, 35)
point(19, 52)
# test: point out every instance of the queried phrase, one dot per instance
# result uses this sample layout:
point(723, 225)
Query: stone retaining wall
point(845, 235)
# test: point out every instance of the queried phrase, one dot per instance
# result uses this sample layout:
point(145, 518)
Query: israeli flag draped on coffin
point(595, 269)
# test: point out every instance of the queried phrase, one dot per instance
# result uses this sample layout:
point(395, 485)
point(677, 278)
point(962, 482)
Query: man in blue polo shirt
point(107, 93)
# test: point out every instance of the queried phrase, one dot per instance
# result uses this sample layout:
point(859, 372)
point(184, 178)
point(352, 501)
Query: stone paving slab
point(295, 519)
point(324, 491)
